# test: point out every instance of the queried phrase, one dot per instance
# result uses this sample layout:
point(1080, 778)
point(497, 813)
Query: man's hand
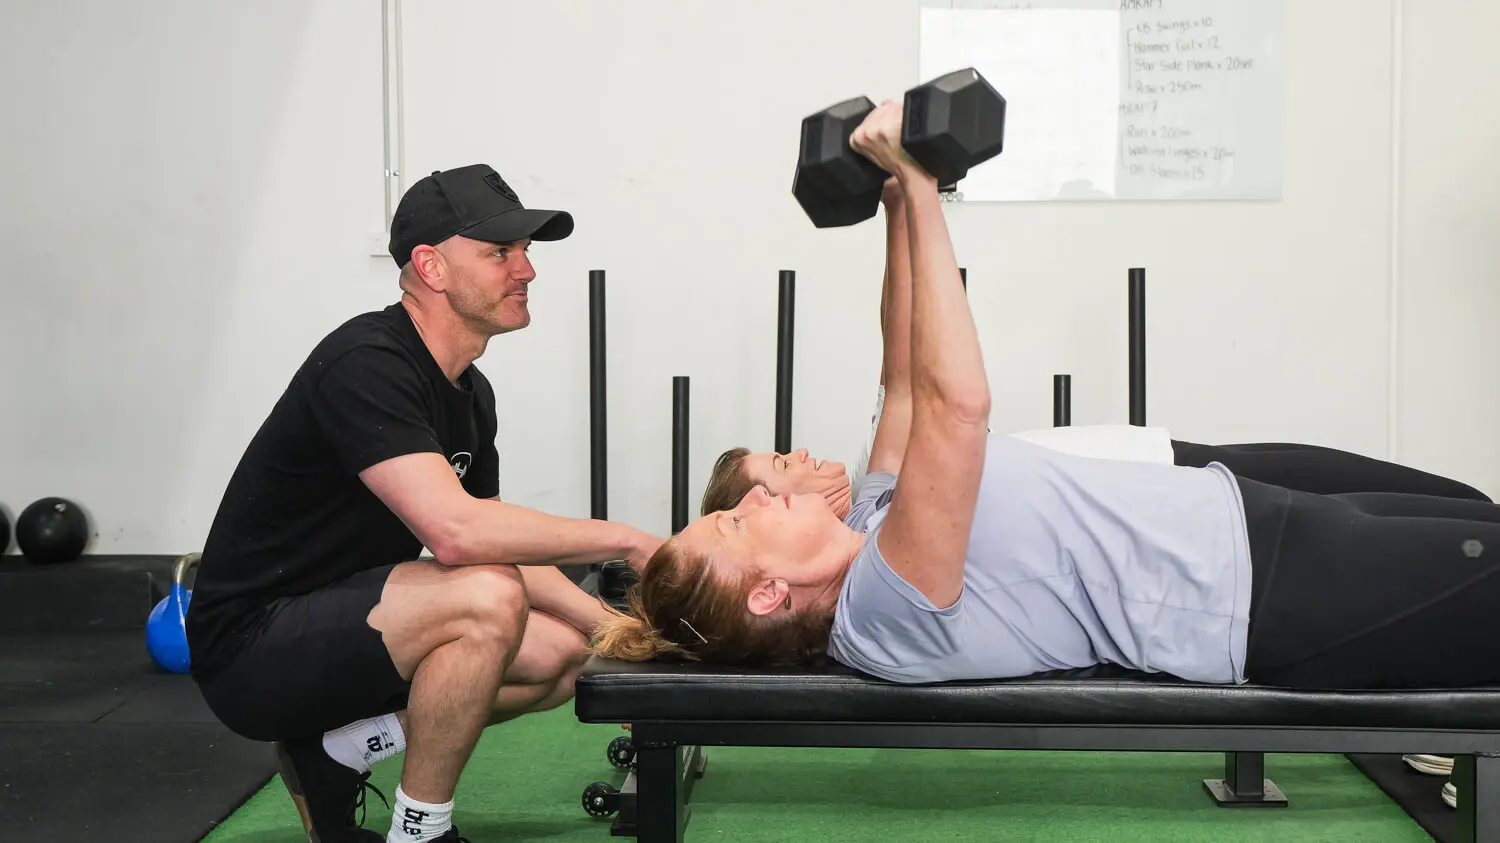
point(878, 138)
point(644, 545)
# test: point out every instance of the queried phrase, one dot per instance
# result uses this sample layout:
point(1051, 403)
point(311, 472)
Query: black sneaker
point(451, 836)
point(326, 793)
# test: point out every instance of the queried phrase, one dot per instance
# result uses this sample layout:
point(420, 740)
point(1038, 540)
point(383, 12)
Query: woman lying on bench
point(1308, 468)
point(997, 558)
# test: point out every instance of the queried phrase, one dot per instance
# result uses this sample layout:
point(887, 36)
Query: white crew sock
point(412, 821)
point(358, 745)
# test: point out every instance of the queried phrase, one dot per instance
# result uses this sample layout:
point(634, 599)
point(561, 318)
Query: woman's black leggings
point(1326, 471)
point(1372, 590)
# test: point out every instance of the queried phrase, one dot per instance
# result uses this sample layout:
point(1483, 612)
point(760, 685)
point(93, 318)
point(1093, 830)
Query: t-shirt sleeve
point(371, 406)
point(886, 627)
point(874, 494)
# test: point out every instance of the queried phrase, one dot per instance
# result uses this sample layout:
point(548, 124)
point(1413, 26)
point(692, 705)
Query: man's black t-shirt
point(295, 515)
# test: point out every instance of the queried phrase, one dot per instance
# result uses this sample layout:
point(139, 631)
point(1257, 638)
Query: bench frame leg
point(1245, 783)
point(654, 804)
point(1477, 778)
point(661, 811)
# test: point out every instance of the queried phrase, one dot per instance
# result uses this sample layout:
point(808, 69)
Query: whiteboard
point(1121, 99)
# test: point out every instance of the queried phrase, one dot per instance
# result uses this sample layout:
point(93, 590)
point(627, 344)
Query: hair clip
point(694, 631)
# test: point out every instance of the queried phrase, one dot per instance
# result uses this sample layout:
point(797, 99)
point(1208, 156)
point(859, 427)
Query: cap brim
point(521, 224)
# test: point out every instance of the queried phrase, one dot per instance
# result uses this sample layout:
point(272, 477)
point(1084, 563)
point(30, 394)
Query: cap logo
point(494, 181)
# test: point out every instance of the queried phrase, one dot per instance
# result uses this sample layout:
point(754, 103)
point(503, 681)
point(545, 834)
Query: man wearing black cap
point(313, 622)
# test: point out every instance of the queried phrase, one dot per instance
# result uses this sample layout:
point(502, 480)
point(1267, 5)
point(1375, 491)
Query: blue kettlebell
point(166, 628)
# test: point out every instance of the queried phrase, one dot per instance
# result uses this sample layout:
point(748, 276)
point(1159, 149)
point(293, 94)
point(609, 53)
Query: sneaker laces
point(359, 801)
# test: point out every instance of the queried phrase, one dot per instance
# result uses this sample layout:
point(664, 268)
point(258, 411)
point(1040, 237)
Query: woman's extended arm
point(926, 534)
point(889, 446)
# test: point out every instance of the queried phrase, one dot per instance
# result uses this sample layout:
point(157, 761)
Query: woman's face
point(799, 474)
point(794, 542)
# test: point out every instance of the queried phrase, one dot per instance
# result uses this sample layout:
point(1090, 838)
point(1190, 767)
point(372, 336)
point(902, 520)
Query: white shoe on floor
point(1450, 795)
point(1432, 765)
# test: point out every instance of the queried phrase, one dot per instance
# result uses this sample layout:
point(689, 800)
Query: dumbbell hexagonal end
point(953, 123)
point(835, 185)
point(832, 210)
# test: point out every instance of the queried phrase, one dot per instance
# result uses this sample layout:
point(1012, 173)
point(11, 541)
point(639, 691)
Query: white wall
point(1449, 241)
point(181, 180)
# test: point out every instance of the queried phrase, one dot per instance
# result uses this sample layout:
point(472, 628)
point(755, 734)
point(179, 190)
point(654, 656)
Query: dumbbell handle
point(920, 111)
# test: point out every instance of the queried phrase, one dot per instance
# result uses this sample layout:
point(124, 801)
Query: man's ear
point(427, 268)
point(768, 596)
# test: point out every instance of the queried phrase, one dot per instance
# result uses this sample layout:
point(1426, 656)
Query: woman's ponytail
point(628, 636)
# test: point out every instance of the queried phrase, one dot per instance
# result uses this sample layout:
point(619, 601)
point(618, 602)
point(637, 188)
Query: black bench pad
point(611, 691)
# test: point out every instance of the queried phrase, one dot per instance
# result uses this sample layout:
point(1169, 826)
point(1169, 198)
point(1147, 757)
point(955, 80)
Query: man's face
point(489, 283)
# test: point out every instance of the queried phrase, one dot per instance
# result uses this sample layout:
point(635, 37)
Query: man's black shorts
point(314, 664)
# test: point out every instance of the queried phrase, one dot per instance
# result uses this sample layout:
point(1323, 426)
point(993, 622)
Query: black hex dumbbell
point(951, 124)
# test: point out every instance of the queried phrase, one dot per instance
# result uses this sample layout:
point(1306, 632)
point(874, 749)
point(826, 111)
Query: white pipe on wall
point(393, 102)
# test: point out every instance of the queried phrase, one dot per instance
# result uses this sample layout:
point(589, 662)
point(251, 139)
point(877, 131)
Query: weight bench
point(675, 709)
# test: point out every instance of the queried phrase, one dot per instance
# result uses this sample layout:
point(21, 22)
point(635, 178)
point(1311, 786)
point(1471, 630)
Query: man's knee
point(495, 604)
point(425, 606)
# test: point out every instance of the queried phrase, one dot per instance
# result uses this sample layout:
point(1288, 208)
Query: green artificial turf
point(527, 777)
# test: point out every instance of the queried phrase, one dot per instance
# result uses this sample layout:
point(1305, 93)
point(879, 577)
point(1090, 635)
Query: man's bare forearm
point(489, 531)
point(549, 590)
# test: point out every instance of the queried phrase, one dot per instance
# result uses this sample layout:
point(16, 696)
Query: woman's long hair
point(685, 608)
point(727, 483)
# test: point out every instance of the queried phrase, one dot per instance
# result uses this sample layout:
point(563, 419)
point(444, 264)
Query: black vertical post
point(785, 322)
point(1062, 400)
point(1138, 346)
point(598, 438)
point(679, 453)
point(598, 443)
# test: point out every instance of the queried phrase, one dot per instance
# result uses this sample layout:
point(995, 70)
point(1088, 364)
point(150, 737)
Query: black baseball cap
point(472, 201)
